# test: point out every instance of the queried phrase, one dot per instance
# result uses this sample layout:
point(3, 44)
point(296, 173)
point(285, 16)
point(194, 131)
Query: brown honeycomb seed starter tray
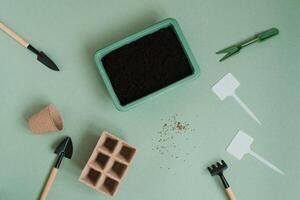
point(108, 164)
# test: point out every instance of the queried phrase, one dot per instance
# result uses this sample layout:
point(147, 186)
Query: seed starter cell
point(108, 164)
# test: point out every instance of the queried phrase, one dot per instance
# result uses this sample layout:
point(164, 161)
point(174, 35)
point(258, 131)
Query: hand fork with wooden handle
point(218, 170)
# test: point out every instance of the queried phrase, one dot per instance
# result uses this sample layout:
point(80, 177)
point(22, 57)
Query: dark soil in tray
point(146, 65)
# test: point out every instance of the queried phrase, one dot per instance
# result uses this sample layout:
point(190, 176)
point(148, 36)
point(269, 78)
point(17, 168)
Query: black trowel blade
point(65, 147)
point(43, 58)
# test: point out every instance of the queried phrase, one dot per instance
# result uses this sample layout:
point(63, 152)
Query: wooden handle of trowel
point(12, 34)
point(49, 183)
point(230, 193)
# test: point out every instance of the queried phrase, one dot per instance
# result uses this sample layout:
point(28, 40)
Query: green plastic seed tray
point(134, 37)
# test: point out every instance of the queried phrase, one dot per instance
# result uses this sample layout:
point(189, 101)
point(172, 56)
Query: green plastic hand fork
point(234, 49)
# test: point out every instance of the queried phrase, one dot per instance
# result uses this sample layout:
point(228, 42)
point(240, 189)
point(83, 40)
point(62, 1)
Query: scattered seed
point(171, 128)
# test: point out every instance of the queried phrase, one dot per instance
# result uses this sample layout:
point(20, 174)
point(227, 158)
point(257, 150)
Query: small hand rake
point(218, 170)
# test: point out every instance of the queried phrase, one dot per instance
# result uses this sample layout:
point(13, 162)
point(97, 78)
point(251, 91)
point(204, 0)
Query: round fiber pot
point(45, 121)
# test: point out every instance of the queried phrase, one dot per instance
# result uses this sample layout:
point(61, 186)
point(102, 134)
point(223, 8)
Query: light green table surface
point(71, 31)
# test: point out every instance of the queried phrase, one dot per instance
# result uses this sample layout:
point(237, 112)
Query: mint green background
point(71, 31)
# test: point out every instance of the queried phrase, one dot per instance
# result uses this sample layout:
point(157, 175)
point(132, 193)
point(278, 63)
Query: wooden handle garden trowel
point(41, 56)
point(64, 149)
